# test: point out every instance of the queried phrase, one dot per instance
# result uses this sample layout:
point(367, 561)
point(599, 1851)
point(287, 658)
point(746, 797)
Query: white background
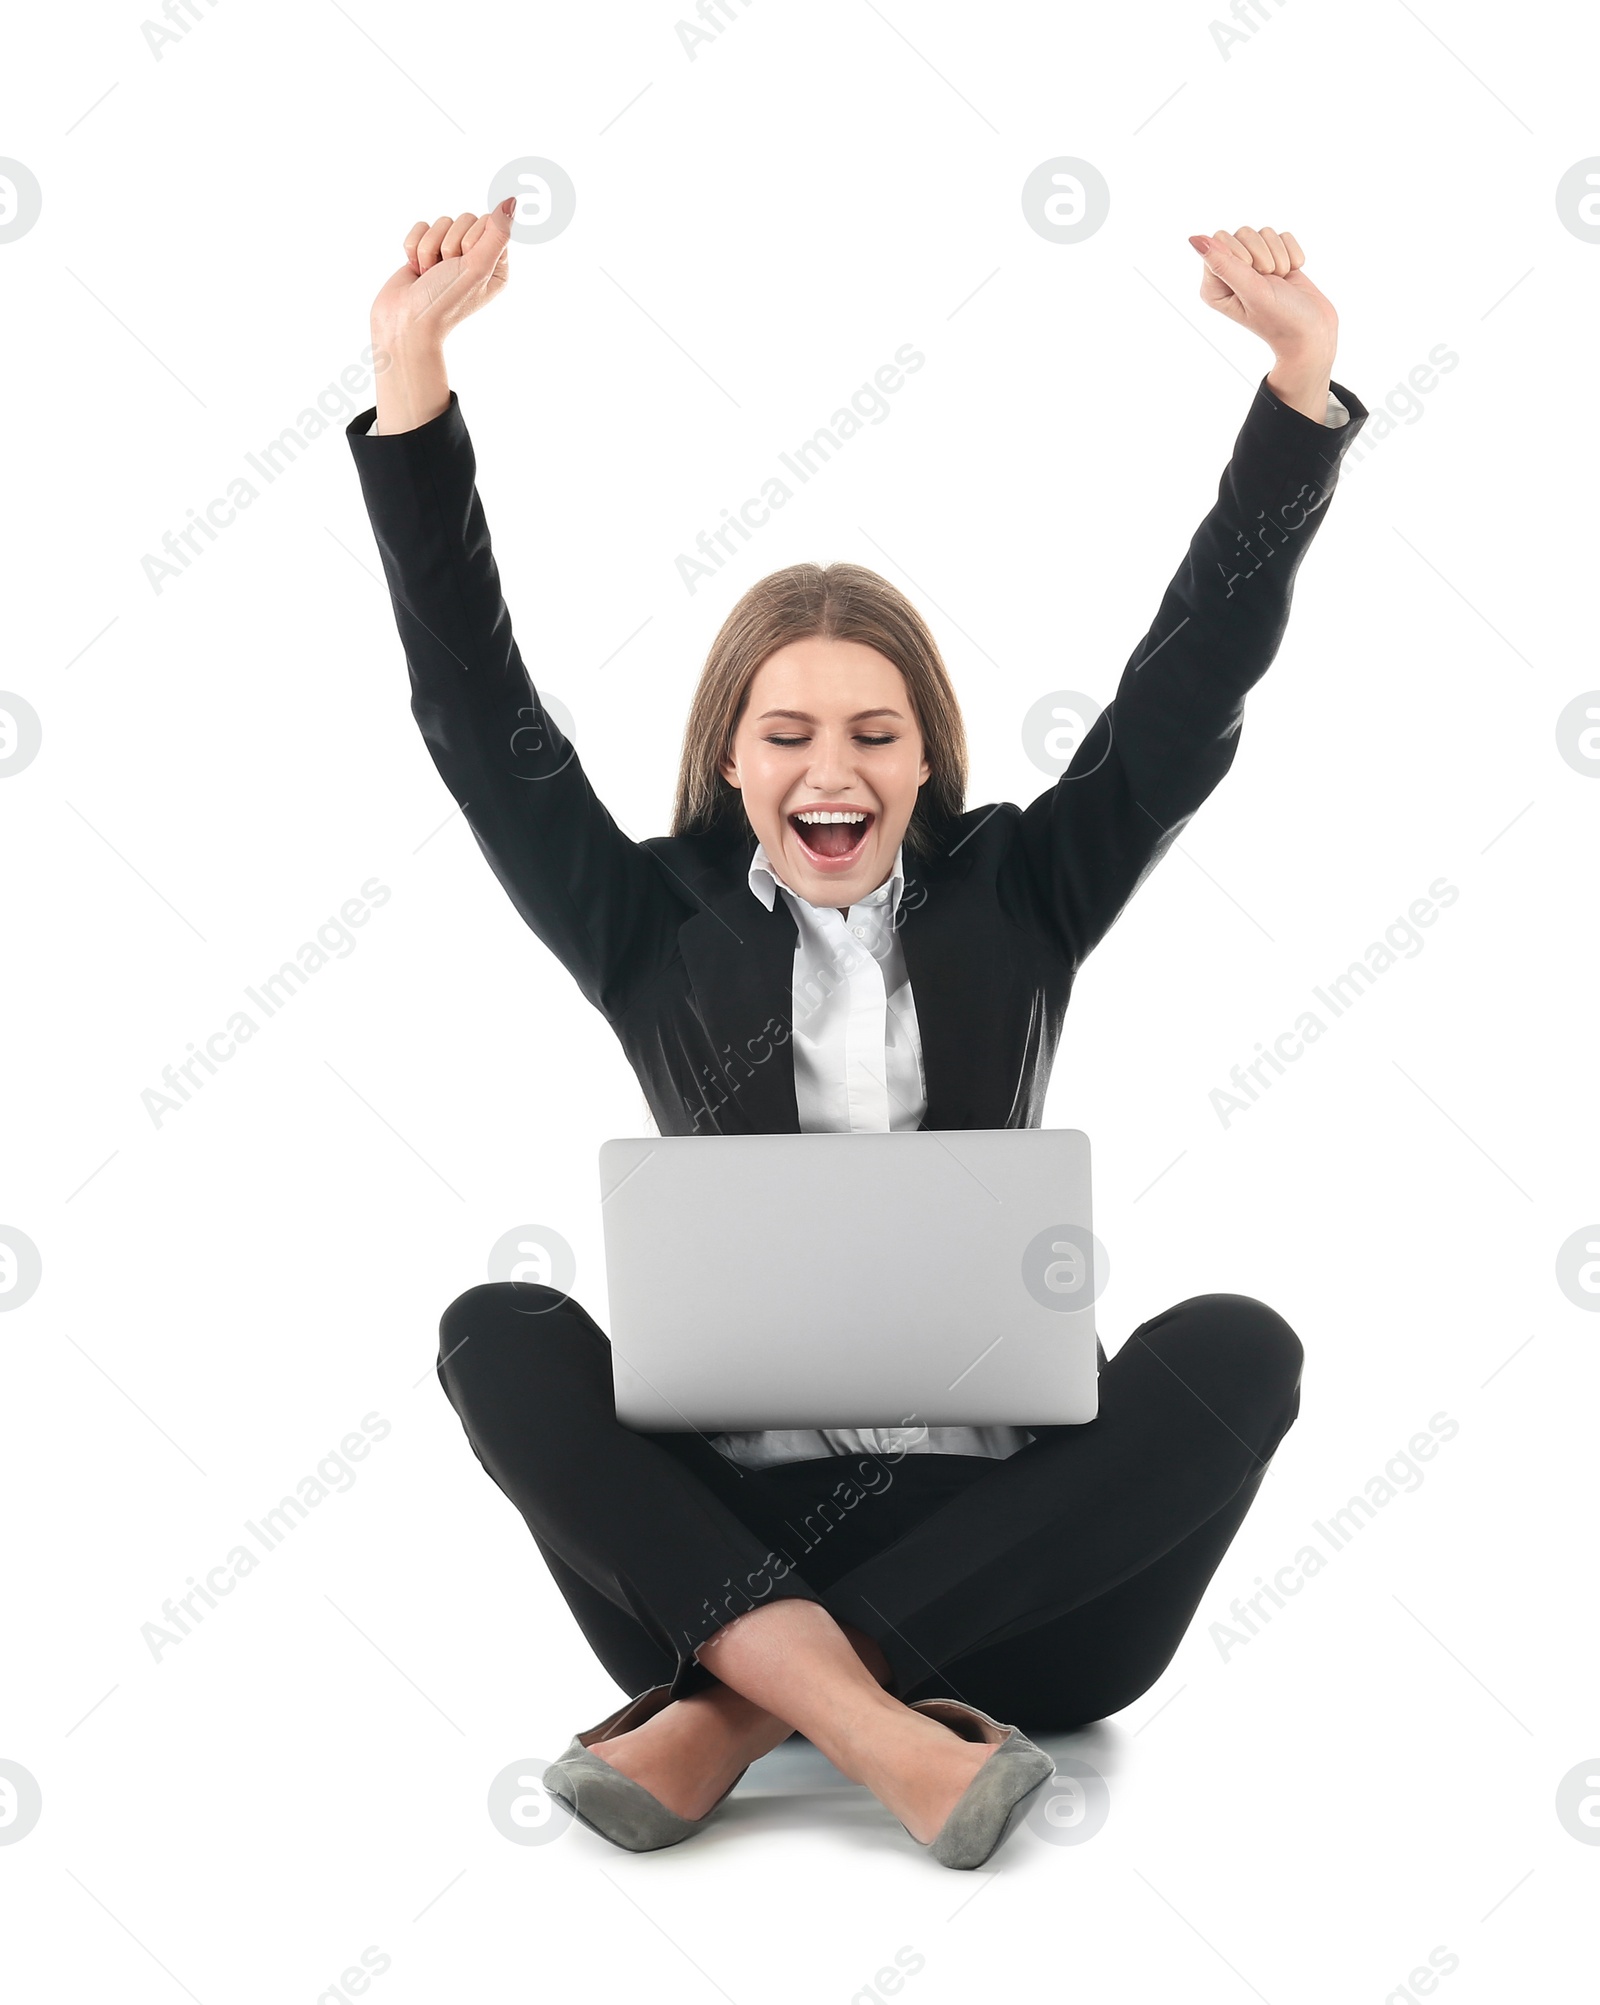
point(224, 763)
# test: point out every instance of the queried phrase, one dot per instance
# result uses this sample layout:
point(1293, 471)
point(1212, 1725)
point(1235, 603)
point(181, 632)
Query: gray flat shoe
point(998, 1796)
point(613, 1803)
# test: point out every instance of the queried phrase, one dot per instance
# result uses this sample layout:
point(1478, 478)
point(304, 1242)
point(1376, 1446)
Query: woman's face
point(828, 725)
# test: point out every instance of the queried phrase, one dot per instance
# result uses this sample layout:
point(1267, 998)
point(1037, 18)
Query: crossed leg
point(1051, 1588)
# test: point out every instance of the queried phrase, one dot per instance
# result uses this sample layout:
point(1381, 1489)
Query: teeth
point(811, 815)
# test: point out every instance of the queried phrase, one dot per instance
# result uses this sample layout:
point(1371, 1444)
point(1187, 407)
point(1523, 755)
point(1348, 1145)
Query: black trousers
point(1049, 1589)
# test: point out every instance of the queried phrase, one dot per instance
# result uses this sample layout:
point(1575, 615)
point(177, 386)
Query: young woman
point(830, 939)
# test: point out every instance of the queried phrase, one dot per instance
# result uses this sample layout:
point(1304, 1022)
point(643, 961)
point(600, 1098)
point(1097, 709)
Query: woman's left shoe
point(613, 1803)
point(998, 1796)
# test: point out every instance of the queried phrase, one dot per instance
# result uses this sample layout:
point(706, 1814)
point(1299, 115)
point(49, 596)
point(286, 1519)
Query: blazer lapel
point(740, 959)
point(951, 955)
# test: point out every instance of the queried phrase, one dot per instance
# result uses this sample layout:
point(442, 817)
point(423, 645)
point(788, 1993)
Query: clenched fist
point(1255, 278)
point(452, 268)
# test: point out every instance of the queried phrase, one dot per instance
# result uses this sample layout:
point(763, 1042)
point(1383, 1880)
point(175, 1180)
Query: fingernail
point(1201, 244)
point(509, 206)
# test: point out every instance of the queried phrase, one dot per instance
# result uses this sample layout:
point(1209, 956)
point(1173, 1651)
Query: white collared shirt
point(857, 1070)
point(857, 1050)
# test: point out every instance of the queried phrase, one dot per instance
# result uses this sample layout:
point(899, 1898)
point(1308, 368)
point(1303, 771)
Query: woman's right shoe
point(613, 1803)
point(998, 1796)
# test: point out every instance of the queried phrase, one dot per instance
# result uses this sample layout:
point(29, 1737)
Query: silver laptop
point(942, 1277)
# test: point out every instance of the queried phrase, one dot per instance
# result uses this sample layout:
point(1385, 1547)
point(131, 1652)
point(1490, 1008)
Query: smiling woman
point(1049, 1575)
point(829, 789)
point(825, 721)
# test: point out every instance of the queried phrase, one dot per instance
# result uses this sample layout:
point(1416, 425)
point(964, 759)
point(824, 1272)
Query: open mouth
point(832, 838)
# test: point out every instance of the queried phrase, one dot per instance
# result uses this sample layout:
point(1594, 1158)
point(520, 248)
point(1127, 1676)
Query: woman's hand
point(1255, 278)
point(452, 268)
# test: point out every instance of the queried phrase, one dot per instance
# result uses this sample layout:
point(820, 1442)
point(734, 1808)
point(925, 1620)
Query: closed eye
point(862, 738)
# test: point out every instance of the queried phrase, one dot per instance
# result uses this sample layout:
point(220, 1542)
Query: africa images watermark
point(182, 1613)
point(1399, 1474)
point(891, 1977)
point(1401, 940)
point(274, 991)
point(178, 21)
point(869, 1476)
point(1403, 406)
point(1294, 514)
point(1249, 18)
point(335, 405)
point(715, 14)
point(807, 459)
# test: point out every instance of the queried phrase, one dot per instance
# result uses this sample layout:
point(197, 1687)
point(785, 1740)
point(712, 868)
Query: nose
point(832, 769)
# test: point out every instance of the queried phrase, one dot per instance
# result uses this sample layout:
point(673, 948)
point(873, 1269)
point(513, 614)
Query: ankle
point(726, 1718)
point(859, 1733)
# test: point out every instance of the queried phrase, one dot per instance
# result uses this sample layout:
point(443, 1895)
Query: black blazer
point(664, 936)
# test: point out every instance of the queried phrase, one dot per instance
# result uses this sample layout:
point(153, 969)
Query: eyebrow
point(805, 717)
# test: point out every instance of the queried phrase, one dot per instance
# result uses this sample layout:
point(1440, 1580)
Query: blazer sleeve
point(599, 901)
point(1085, 845)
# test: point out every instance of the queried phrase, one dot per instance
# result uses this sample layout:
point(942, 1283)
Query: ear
point(924, 773)
point(729, 769)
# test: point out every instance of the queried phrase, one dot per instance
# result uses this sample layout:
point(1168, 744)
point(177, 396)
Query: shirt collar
point(764, 882)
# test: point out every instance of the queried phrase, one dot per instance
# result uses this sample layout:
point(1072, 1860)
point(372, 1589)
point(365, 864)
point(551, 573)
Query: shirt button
point(860, 932)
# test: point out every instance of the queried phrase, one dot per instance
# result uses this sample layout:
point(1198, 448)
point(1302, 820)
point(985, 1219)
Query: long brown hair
point(832, 602)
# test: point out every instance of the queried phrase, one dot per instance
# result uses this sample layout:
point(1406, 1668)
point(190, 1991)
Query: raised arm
point(598, 900)
point(1084, 846)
